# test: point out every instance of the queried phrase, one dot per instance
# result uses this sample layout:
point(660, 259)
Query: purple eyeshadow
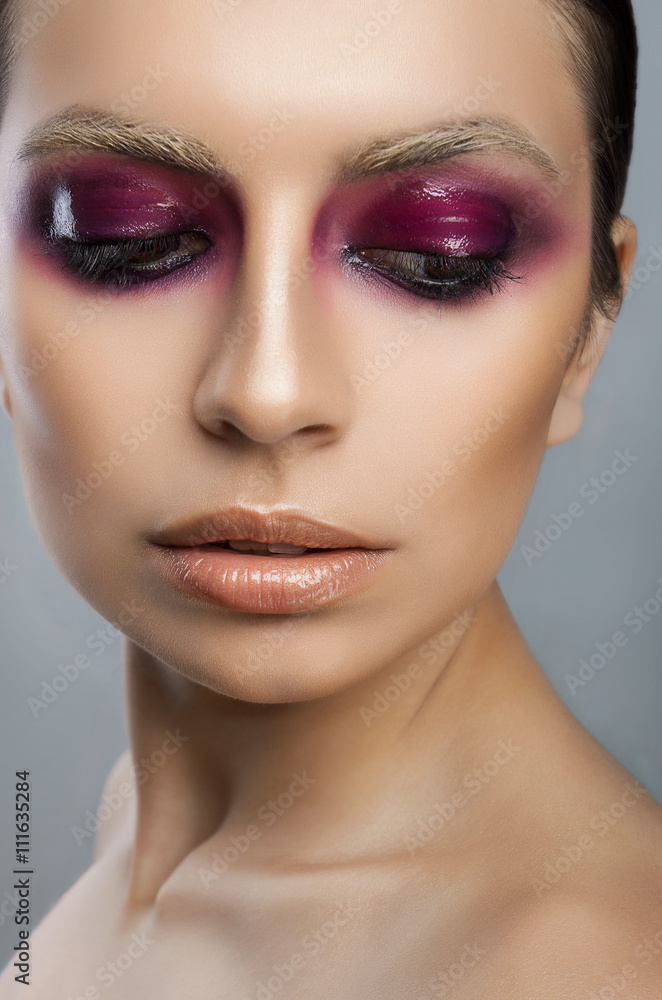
point(126, 224)
point(470, 217)
point(100, 209)
point(456, 210)
point(446, 221)
point(110, 197)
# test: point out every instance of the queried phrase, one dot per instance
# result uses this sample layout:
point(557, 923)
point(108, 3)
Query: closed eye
point(128, 261)
point(431, 275)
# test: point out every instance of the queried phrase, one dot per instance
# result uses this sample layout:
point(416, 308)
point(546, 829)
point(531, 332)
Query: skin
point(467, 894)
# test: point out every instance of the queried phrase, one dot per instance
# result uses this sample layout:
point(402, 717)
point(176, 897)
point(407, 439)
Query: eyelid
point(527, 242)
point(471, 277)
point(126, 200)
point(109, 263)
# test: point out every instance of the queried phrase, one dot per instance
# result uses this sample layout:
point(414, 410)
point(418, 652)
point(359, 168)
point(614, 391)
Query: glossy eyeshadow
point(100, 208)
point(445, 220)
point(453, 212)
point(108, 198)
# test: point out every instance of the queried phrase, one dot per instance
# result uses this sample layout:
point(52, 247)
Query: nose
point(275, 371)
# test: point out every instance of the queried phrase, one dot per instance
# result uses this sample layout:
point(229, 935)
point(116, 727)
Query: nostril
point(229, 431)
point(314, 429)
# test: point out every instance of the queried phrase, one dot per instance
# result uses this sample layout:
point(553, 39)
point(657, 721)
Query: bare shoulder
point(593, 930)
point(572, 947)
point(579, 912)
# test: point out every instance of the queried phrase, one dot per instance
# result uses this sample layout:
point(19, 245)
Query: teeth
point(287, 550)
point(277, 548)
point(245, 545)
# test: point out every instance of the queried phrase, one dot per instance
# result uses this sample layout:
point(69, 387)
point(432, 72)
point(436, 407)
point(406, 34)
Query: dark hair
point(603, 52)
point(603, 55)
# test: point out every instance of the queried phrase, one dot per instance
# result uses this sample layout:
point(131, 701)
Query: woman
point(348, 776)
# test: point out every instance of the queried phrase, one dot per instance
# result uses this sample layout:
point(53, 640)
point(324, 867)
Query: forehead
point(334, 72)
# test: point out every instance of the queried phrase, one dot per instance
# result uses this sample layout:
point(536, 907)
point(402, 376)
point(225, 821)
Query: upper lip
point(237, 523)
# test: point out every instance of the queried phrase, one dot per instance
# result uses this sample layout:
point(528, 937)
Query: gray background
point(576, 595)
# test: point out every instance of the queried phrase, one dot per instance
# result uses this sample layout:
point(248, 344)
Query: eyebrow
point(436, 145)
point(77, 128)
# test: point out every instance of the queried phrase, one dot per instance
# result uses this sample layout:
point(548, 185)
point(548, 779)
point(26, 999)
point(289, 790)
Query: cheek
point(96, 386)
point(464, 416)
point(453, 429)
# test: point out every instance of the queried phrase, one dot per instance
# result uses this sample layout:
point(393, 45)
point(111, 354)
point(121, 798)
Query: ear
point(568, 412)
point(6, 399)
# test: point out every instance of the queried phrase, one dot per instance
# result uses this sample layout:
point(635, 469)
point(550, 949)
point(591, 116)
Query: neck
point(327, 779)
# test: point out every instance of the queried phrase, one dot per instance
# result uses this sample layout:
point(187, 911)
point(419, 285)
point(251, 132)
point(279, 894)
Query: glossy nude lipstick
point(278, 562)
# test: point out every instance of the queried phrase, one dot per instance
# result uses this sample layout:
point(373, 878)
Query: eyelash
point(114, 263)
point(453, 278)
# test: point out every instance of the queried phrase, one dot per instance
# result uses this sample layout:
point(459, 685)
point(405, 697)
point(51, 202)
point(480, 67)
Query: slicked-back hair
point(603, 56)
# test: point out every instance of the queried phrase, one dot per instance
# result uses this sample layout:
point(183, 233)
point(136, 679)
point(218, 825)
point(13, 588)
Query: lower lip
point(270, 584)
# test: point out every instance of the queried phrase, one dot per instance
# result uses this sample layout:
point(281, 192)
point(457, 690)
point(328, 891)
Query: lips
point(275, 527)
point(274, 562)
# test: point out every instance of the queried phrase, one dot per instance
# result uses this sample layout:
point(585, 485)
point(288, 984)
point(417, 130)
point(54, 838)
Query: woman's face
point(271, 358)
